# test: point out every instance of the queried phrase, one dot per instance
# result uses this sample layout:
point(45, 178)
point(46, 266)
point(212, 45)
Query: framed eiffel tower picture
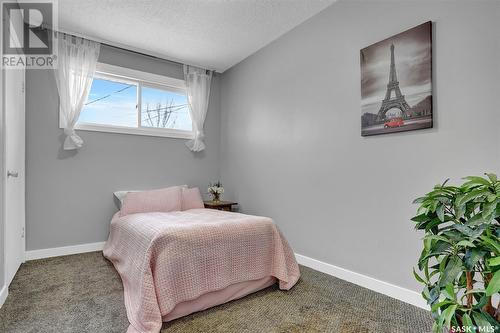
point(396, 83)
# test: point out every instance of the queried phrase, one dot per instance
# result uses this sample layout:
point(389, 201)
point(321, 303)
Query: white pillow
point(120, 195)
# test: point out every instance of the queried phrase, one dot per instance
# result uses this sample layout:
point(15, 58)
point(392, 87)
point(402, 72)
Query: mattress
point(213, 298)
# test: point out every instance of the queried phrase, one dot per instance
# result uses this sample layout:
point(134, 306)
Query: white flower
point(215, 190)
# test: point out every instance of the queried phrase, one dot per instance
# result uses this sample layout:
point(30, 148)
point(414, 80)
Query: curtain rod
point(140, 53)
point(123, 48)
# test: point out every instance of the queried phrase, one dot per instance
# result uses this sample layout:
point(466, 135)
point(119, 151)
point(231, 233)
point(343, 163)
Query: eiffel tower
point(398, 101)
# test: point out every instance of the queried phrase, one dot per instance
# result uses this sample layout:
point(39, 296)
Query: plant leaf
point(440, 212)
point(432, 223)
point(417, 277)
point(480, 319)
point(419, 200)
point(492, 177)
point(475, 220)
point(494, 261)
point(473, 233)
point(475, 180)
point(433, 295)
point(440, 249)
point(472, 257)
point(466, 243)
point(467, 323)
point(421, 218)
point(488, 209)
point(450, 273)
point(493, 244)
point(492, 321)
point(439, 305)
point(493, 285)
point(438, 238)
point(449, 292)
point(497, 210)
point(471, 195)
point(426, 294)
point(446, 316)
point(481, 302)
point(491, 197)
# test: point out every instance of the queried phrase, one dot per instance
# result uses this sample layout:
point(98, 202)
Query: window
point(127, 101)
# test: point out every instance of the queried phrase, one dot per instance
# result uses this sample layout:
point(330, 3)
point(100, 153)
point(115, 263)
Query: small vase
point(215, 197)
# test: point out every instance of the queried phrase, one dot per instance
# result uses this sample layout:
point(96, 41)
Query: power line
point(108, 95)
point(157, 116)
point(166, 108)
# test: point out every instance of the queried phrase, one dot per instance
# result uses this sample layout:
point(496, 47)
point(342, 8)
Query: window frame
point(139, 79)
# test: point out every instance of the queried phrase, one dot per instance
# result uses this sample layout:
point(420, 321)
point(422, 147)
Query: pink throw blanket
point(168, 258)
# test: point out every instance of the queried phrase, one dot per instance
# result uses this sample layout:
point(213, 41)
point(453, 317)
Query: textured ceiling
point(215, 34)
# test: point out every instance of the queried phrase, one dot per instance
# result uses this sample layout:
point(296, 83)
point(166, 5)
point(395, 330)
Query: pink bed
point(173, 264)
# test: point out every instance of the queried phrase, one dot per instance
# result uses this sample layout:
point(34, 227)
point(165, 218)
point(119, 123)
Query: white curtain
point(198, 94)
point(77, 60)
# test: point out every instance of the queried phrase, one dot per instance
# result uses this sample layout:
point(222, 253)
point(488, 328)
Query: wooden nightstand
point(220, 205)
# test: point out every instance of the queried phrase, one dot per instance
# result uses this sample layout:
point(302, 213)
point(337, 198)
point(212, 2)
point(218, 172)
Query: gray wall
point(291, 145)
point(69, 195)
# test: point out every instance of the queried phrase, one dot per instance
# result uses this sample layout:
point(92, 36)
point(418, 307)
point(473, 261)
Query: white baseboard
point(399, 293)
point(4, 292)
point(64, 251)
point(391, 290)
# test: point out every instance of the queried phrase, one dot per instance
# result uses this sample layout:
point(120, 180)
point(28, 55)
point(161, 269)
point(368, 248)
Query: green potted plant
point(460, 261)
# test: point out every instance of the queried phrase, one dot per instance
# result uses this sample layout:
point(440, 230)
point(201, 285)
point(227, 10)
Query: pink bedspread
point(168, 258)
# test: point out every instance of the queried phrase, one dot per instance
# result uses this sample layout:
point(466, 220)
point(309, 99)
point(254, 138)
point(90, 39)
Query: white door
point(14, 152)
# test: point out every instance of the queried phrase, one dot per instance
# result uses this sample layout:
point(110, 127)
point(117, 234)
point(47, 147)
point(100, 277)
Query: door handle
point(13, 174)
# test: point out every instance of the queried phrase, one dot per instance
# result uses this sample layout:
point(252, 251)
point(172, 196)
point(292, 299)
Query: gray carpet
point(83, 293)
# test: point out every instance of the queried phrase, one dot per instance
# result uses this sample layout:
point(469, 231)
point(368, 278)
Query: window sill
point(145, 131)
